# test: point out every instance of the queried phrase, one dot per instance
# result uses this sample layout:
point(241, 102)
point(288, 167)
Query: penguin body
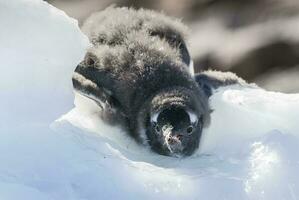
point(138, 71)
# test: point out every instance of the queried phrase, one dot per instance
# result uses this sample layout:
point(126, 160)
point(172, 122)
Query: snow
point(51, 149)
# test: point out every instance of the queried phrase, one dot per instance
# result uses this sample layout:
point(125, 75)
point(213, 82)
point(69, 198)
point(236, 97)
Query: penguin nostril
point(174, 139)
point(179, 137)
point(170, 140)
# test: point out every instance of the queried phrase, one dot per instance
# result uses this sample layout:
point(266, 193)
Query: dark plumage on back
point(137, 29)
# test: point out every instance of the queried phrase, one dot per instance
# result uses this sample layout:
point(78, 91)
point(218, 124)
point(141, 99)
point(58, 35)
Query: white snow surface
point(249, 151)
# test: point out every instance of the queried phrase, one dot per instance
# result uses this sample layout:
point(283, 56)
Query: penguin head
point(176, 130)
point(175, 123)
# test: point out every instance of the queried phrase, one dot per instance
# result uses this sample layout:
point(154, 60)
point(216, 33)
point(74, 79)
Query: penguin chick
point(138, 72)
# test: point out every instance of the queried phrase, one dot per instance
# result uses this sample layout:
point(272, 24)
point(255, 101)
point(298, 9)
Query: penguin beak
point(172, 141)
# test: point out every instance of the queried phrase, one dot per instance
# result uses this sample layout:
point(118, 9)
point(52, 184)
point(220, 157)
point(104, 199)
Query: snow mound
point(39, 48)
point(248, 152)
point(246, 113)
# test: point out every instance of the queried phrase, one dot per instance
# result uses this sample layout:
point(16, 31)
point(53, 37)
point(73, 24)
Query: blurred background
point(256, 39)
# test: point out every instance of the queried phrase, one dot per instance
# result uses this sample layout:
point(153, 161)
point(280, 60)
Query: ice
point(245, 113)
point(40, 46)
point(53, 146)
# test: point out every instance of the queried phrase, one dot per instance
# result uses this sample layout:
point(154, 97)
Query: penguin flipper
point(210, 80)
point(100, 95)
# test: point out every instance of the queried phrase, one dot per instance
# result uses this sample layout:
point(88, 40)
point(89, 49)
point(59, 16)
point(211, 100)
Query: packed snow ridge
point(51, 149)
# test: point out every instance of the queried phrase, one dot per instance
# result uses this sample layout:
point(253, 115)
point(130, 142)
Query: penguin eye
point(157, 128)
point(190, 129)
point(90, 60)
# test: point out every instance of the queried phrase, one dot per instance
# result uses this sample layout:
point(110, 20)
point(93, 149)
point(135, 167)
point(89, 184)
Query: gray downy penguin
point(140, 73)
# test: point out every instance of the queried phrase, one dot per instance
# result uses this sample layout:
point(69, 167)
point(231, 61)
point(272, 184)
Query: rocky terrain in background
point(256, 39)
